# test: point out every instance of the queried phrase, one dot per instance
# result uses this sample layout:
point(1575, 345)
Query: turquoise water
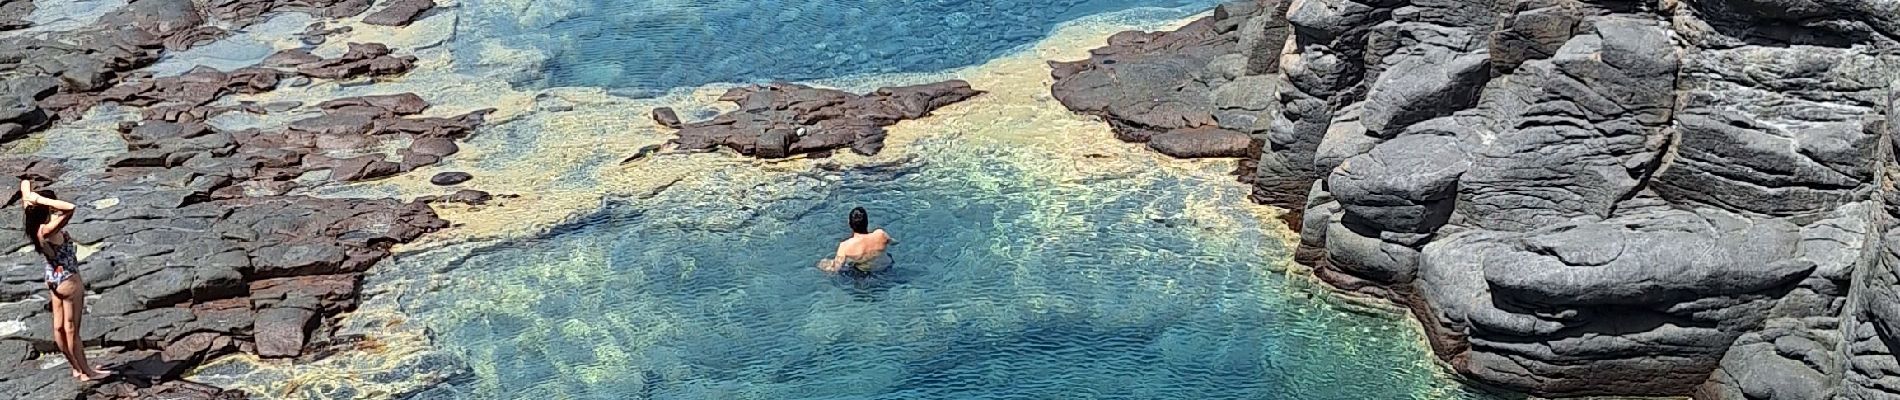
point(1006, 286)
point(1022, 272)
point(645, 46)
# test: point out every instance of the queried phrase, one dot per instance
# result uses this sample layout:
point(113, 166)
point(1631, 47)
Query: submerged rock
point(464, 196)
point(450, 178)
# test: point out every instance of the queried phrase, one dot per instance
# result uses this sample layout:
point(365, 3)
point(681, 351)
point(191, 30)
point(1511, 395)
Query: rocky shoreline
point(204, 242)
point(1575, 198)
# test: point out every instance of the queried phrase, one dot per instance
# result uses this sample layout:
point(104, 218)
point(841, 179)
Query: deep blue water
point(644, 46)
point(1005, 287)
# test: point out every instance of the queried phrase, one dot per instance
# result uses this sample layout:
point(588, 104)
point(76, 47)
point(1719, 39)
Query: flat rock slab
point(1146, 84)
point(783, 119)
point(1203, 143)
point(399, 13)
point(208, 244)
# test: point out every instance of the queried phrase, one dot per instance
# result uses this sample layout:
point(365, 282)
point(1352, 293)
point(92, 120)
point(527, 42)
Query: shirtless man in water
point(863, 253)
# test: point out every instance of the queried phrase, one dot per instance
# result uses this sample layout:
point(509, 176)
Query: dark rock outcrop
point(371, 59)
point(782, 119)
point(399, 12)
point(665, 116)
point(1202, 91)
point(1576, 197)
point(247, 11)
point(450, 178)
point(208, 242)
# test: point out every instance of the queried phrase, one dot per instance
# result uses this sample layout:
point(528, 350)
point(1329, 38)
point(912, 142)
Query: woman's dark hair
point(860, 222)
point(35, 216)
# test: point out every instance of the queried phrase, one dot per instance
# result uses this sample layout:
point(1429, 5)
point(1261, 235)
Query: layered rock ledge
point(783, 119)
point(1575, 197)
point(199, 241)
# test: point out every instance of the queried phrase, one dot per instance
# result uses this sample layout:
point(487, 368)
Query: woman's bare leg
point(60, 340)
point(75, 311)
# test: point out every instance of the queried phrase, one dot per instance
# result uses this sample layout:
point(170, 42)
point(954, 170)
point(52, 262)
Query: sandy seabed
point(555, 156)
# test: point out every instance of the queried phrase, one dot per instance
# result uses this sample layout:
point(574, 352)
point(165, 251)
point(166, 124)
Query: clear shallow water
point(1009, 284)
point(643, 46)
point(1025, 269)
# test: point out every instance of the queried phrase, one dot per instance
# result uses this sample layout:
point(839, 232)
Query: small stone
point(450, 178)
point(666, 117)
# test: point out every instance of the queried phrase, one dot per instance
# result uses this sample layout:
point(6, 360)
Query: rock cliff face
point(1688, 197)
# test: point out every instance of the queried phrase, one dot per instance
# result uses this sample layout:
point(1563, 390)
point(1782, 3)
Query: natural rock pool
point(1004, 287)
point(1038, 257)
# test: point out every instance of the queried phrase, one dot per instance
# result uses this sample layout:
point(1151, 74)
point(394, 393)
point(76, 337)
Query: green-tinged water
point(1006, 286)
point(1037, 258)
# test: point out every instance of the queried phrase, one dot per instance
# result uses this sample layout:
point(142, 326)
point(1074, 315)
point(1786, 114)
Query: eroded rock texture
point(1203, 91)
point(1576, 197)
point(203, 242)
point(13, 14)
point(782, 119)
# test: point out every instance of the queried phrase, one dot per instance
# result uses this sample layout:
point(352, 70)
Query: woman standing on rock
point(45, 227)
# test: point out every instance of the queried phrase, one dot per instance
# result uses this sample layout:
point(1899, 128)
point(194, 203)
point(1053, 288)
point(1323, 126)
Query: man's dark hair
point(860, 222)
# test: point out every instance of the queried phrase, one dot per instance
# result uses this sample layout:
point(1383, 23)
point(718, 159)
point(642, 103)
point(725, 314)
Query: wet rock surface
point(781, 120)
point(1575, 197)
point(205, 242)
point(450, 178)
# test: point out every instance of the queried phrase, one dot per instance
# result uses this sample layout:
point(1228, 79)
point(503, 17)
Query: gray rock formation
point(208, 241)
point(1576, 197)
point(13, 14)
